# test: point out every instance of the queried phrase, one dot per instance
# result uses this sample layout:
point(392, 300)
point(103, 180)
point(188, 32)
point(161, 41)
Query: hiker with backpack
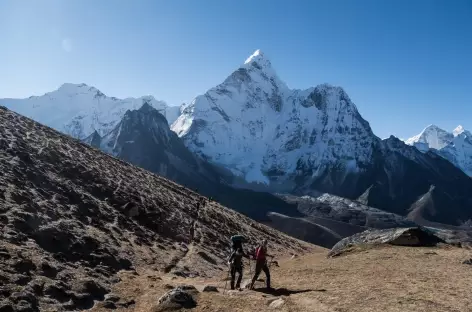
point(235, 260)
point(261, 264)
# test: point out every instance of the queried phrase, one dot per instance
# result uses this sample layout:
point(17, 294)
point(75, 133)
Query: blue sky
point(405, 64)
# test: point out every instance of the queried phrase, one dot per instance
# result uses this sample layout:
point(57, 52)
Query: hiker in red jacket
point(261, 264)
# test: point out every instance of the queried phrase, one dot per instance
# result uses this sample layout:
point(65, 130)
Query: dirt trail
point(390, 279)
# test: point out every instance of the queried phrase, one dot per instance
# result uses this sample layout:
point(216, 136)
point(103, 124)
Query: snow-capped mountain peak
point(455, 146)
point(460, 130)
point(79, 109)
point(265, 132)
point(259, 58)
point(433, 136)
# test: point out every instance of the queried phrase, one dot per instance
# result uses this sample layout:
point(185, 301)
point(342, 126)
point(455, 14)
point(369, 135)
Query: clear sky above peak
point(405, 64)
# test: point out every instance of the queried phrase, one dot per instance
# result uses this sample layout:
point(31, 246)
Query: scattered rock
point(209, 288)
point(36, 287)
point(127, 304)
point(24, 266)
point(469, 262)
point(24, 301)
point(246, 283)
point(277, 303)
point(167, 286)
point(94, 288)
point(177, 298)
point(48, 270)
point(154, 278)
point(115, 279)
point(112, 297)
point(25, 306)
point(125, 264)
point(6, 306)
point(57, 291)
point(4, 254)
point(19, 279)
point(109, 305)
point(82, 301)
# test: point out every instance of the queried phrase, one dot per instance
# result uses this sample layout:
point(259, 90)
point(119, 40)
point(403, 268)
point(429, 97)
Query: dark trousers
point(261, 266)
point(234, 270)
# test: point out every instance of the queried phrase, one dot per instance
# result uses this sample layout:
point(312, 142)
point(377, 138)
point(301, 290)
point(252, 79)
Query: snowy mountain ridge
point(253, 124)
point(79, 110)
point(455, 146)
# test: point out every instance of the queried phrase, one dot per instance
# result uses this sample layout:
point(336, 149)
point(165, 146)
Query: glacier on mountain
point(455, 146)
point(79, 110)
point(267, 133)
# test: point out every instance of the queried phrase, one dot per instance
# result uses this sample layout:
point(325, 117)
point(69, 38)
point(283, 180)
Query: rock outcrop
point(398, 236)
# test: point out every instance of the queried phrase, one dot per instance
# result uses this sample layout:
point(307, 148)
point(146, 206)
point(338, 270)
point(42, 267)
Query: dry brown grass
point(386, 278)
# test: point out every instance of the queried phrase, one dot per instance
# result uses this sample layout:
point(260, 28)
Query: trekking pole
point(250, 268)
point(226, 283)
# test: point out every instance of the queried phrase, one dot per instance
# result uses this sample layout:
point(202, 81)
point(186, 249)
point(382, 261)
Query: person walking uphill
point(236, 264)
point(261, 264)
point(235, 260)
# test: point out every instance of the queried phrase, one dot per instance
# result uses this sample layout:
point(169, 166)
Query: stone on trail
point(209, 288)
point(178, 298)
point(277, 303)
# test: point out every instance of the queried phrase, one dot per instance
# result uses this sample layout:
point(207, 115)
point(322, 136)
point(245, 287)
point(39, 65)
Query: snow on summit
point(79, 109)
point(253, 124)
point(455, 146)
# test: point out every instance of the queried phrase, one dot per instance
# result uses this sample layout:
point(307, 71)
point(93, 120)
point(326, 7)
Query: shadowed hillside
point(72, 217)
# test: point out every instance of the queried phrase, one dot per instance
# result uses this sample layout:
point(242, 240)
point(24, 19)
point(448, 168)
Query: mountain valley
point(253, 133)
point(113, 204)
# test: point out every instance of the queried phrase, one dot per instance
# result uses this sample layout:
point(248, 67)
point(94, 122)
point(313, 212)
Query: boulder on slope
point(414, 236)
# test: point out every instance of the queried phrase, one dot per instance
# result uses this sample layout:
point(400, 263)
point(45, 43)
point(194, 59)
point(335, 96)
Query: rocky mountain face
point(254, 133)
point(143, 138)
point(403, 177)
point(75, 222)
point(275, 137)
point(308, 141)
point(79, 110)
point(455, 146)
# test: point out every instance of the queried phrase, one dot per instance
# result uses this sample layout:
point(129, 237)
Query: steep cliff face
point(143, 138)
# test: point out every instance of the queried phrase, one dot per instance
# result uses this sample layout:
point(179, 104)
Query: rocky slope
point(75, 221)
point(455, 146)
point(78, 109)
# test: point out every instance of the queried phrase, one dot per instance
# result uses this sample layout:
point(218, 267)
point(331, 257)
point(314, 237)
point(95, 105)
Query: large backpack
point(237, 241)
point(238, 238)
